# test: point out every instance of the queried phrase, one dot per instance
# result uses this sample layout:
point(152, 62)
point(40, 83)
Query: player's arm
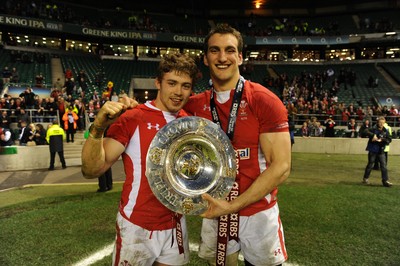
point(277, 152)
point(98, 153)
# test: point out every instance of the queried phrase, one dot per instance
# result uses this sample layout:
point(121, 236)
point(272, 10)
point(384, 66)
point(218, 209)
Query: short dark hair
point(224, 28)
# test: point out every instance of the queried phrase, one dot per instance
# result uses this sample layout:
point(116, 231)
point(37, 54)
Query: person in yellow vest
point(70, 118)
point(55, 136)
point(387, 148)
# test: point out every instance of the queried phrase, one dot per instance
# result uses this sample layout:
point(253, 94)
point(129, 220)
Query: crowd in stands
point(67, 13)
point(286, 26)
point(307, 97)
point(312, 101)
point(68, 101)
point(142, 21)
point(310, 97)
point(382, 24)
point(10, 74)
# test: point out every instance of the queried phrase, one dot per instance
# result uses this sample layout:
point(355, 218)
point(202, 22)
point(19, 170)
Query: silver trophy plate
point(188, 157)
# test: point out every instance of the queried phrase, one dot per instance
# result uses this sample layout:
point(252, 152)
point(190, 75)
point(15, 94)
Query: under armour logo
point(277, 252)
point(150, 126)
point(206, 108)
point(125, 263)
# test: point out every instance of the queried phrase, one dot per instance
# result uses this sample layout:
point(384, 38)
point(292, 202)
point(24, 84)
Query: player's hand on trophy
point(216, 207)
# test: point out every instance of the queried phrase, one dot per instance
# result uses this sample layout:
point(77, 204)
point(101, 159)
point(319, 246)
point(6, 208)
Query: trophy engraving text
point(188, 157)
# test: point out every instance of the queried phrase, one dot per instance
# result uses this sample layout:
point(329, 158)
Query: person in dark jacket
point(105, 180)
point(39, 137)
point(29, 98)
point(330, 127)
point(5, 119)
point(25, 133)
point(379, 138)
point(55, 136)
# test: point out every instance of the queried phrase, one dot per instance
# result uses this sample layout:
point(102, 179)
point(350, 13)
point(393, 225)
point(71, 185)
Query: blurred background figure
point(55, 136)
point(39, 136)
point(6, 137)
point(70, 119)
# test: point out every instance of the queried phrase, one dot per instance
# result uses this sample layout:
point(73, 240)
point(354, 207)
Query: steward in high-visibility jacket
point(386, 150)
point(55, 136)
point(70, 117)
point(389, 129)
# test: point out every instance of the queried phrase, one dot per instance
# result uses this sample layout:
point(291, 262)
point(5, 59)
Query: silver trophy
point(188, 157)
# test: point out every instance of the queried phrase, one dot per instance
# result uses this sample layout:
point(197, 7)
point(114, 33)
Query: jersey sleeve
point(197, 102)
point(189, 106)
point(270, 110)
point(124, 127)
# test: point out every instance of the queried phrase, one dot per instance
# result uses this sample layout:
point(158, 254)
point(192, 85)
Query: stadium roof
point(205, 6)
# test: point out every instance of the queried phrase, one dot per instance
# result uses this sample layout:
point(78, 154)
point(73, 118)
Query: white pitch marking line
point(107, 250)
point(99, 255)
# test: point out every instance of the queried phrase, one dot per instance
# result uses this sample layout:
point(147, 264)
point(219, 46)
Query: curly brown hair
point(178, 62)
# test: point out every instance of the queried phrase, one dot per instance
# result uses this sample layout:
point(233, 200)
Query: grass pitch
point(329, 217)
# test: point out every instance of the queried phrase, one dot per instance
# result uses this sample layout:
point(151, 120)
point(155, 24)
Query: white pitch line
point(99, 255)
point(107, 250)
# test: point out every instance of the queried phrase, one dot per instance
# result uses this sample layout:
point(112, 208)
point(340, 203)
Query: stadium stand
point(393, 69)
point(122, 68)
point(28, 64)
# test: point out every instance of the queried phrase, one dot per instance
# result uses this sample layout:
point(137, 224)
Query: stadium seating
point(360, 93)
point(393, 69)
point(28, 65)
point(120, 72)
point(89, 63)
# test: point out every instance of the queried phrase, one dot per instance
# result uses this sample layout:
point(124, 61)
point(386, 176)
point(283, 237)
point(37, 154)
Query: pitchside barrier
point(338, 145)
point(16, 158)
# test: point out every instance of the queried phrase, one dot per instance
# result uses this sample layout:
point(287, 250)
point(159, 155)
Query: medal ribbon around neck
point(237, 97)
point(228, 225)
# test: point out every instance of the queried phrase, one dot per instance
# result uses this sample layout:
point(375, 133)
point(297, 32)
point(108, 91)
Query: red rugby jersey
point(260, 111)
point(135, 129)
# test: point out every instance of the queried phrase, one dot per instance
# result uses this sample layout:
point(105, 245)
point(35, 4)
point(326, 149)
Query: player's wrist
point(96, 132)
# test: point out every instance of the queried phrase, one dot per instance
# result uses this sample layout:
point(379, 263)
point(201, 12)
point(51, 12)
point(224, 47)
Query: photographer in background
point(379, 138)
point(386, 150)
point(329, 127)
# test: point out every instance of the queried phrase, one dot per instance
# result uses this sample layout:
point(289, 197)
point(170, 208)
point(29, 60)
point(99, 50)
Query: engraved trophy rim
point(188, 157)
